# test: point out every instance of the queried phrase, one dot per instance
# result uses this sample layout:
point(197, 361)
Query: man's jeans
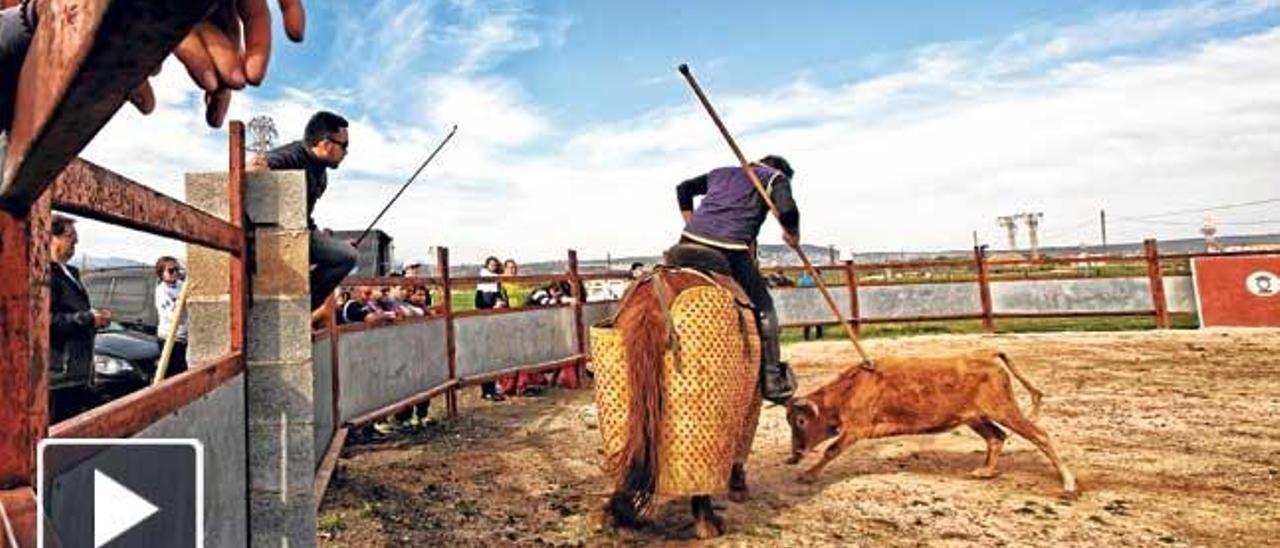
point(331, 261)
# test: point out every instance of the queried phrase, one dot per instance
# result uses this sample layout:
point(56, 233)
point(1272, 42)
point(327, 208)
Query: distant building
point(376, 252)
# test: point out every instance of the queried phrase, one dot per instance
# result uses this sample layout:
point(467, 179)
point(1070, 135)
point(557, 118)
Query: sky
point(910, 124)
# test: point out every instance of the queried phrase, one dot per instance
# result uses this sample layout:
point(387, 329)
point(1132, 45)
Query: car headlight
point(106, 365)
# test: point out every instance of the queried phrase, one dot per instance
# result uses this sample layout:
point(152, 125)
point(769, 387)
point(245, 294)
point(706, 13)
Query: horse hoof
point(708, 528)
point(807, 478)
point(740, 495)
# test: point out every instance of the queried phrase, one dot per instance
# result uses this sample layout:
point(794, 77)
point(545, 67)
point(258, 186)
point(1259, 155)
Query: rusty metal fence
point(989, 289)
point(94, 192)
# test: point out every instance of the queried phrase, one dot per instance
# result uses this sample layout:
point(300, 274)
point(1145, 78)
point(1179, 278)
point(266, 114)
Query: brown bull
point(919, 396)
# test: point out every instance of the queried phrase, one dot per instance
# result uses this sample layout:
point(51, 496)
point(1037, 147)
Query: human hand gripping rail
point(792, 240)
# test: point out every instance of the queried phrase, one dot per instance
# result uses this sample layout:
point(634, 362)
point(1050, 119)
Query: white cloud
point(912, 159)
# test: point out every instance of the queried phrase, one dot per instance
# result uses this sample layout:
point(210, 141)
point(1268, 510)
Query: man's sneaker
point(777, 383)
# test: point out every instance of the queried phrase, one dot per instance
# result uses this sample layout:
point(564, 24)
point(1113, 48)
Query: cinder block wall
point(279, 390)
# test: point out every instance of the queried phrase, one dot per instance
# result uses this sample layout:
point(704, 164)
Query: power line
point(1200, 210)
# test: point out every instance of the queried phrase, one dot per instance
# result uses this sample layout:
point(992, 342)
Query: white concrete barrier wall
point(383, 365)
point(217, 419)
point(501, 341)
point(1088, 295)
point(805, 305)
point(322, 380)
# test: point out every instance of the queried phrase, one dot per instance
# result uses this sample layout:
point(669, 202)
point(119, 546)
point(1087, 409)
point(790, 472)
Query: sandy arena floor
point(1175, 438)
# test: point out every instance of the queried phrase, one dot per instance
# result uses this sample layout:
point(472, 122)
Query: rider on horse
point(720, 234)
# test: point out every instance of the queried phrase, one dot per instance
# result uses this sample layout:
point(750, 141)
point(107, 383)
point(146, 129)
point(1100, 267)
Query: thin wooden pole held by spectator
point(755, 181)
point(171, 337)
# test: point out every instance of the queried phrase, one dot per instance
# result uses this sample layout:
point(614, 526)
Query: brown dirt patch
point(1174, 436)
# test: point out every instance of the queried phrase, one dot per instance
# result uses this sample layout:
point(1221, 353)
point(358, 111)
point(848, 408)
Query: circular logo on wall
point(1263, 283)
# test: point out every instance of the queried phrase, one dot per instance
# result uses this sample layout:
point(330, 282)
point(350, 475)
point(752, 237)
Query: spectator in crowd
point(637, 270)
point(415, 269)
point(777, 279)
point(397, 300)
point(489, 290)
point(551, 294)
point(515, 292)
point(172, 278)
point(489, 294)
point(72, 322)
point(374, 306)
point(421, 298)
point(806, 280)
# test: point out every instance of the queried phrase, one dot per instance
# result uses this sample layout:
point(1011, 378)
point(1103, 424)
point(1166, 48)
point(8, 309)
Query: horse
point(648, 332)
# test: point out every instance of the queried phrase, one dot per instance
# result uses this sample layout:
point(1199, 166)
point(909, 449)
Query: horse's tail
point(645, 338)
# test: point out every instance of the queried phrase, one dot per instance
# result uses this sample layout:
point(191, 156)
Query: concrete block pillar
point(279, 388)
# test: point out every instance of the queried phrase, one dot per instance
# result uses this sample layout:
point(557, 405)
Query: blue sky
point(911, 124)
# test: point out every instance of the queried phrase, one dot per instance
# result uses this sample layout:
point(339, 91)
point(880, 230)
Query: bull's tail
point(1036, 394)
point(645, 339)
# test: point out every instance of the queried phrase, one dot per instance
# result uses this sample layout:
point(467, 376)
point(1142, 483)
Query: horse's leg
point(706, 524)
point(738, 491)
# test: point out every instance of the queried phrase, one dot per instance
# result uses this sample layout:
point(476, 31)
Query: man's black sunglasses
point(343, 144)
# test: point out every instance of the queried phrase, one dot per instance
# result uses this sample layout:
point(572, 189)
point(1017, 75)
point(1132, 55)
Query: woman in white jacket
point(171, 280)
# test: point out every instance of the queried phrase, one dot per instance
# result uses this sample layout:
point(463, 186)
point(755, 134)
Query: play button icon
point(109, 493)
point(116, 509)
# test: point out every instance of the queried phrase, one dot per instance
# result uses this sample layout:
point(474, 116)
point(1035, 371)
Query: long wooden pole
point(755, 181)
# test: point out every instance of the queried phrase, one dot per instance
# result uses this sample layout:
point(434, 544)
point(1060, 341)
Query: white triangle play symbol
point(116, 509)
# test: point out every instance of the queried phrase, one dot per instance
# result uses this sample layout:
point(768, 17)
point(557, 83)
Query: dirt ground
point(1174, 436)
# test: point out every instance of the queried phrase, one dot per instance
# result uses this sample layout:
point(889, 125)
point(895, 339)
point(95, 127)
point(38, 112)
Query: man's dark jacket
point(71, 327)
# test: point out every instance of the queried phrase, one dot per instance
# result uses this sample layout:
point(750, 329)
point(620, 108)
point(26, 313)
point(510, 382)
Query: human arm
point(788, 212)
point(686, 191)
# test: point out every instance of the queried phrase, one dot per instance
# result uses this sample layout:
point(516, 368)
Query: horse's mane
point(643, 326)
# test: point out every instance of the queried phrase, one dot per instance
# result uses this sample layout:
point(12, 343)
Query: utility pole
point(975, 238)
point(1033, 232)
point(1010, 224)
point(1102, 214)
point(832, 255)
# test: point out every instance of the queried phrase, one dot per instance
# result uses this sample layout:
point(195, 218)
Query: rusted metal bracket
point(85, 58)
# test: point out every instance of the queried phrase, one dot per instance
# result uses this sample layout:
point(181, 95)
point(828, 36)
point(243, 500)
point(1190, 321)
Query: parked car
point(124, 353)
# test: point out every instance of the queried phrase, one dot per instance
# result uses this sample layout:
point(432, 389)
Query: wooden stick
point(163, 365)
point(755, 181)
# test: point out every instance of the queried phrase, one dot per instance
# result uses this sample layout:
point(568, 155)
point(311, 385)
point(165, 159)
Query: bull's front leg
point(838, 446)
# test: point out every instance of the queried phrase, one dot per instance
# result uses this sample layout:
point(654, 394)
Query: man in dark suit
point(72, 323)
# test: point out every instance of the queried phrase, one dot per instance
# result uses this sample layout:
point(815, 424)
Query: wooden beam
point(85, 58)
point(92, 191)
point(327, 465)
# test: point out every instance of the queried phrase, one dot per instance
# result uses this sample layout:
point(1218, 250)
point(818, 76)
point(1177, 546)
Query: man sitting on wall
point(323, 147)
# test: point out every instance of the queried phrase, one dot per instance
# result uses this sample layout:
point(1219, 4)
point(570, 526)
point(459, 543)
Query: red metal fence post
point(1155, 277)
point(235, 214)
point(851, 279)
point(575, 375)
point(450, 345)
point(984, 288)
point(24, 340)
